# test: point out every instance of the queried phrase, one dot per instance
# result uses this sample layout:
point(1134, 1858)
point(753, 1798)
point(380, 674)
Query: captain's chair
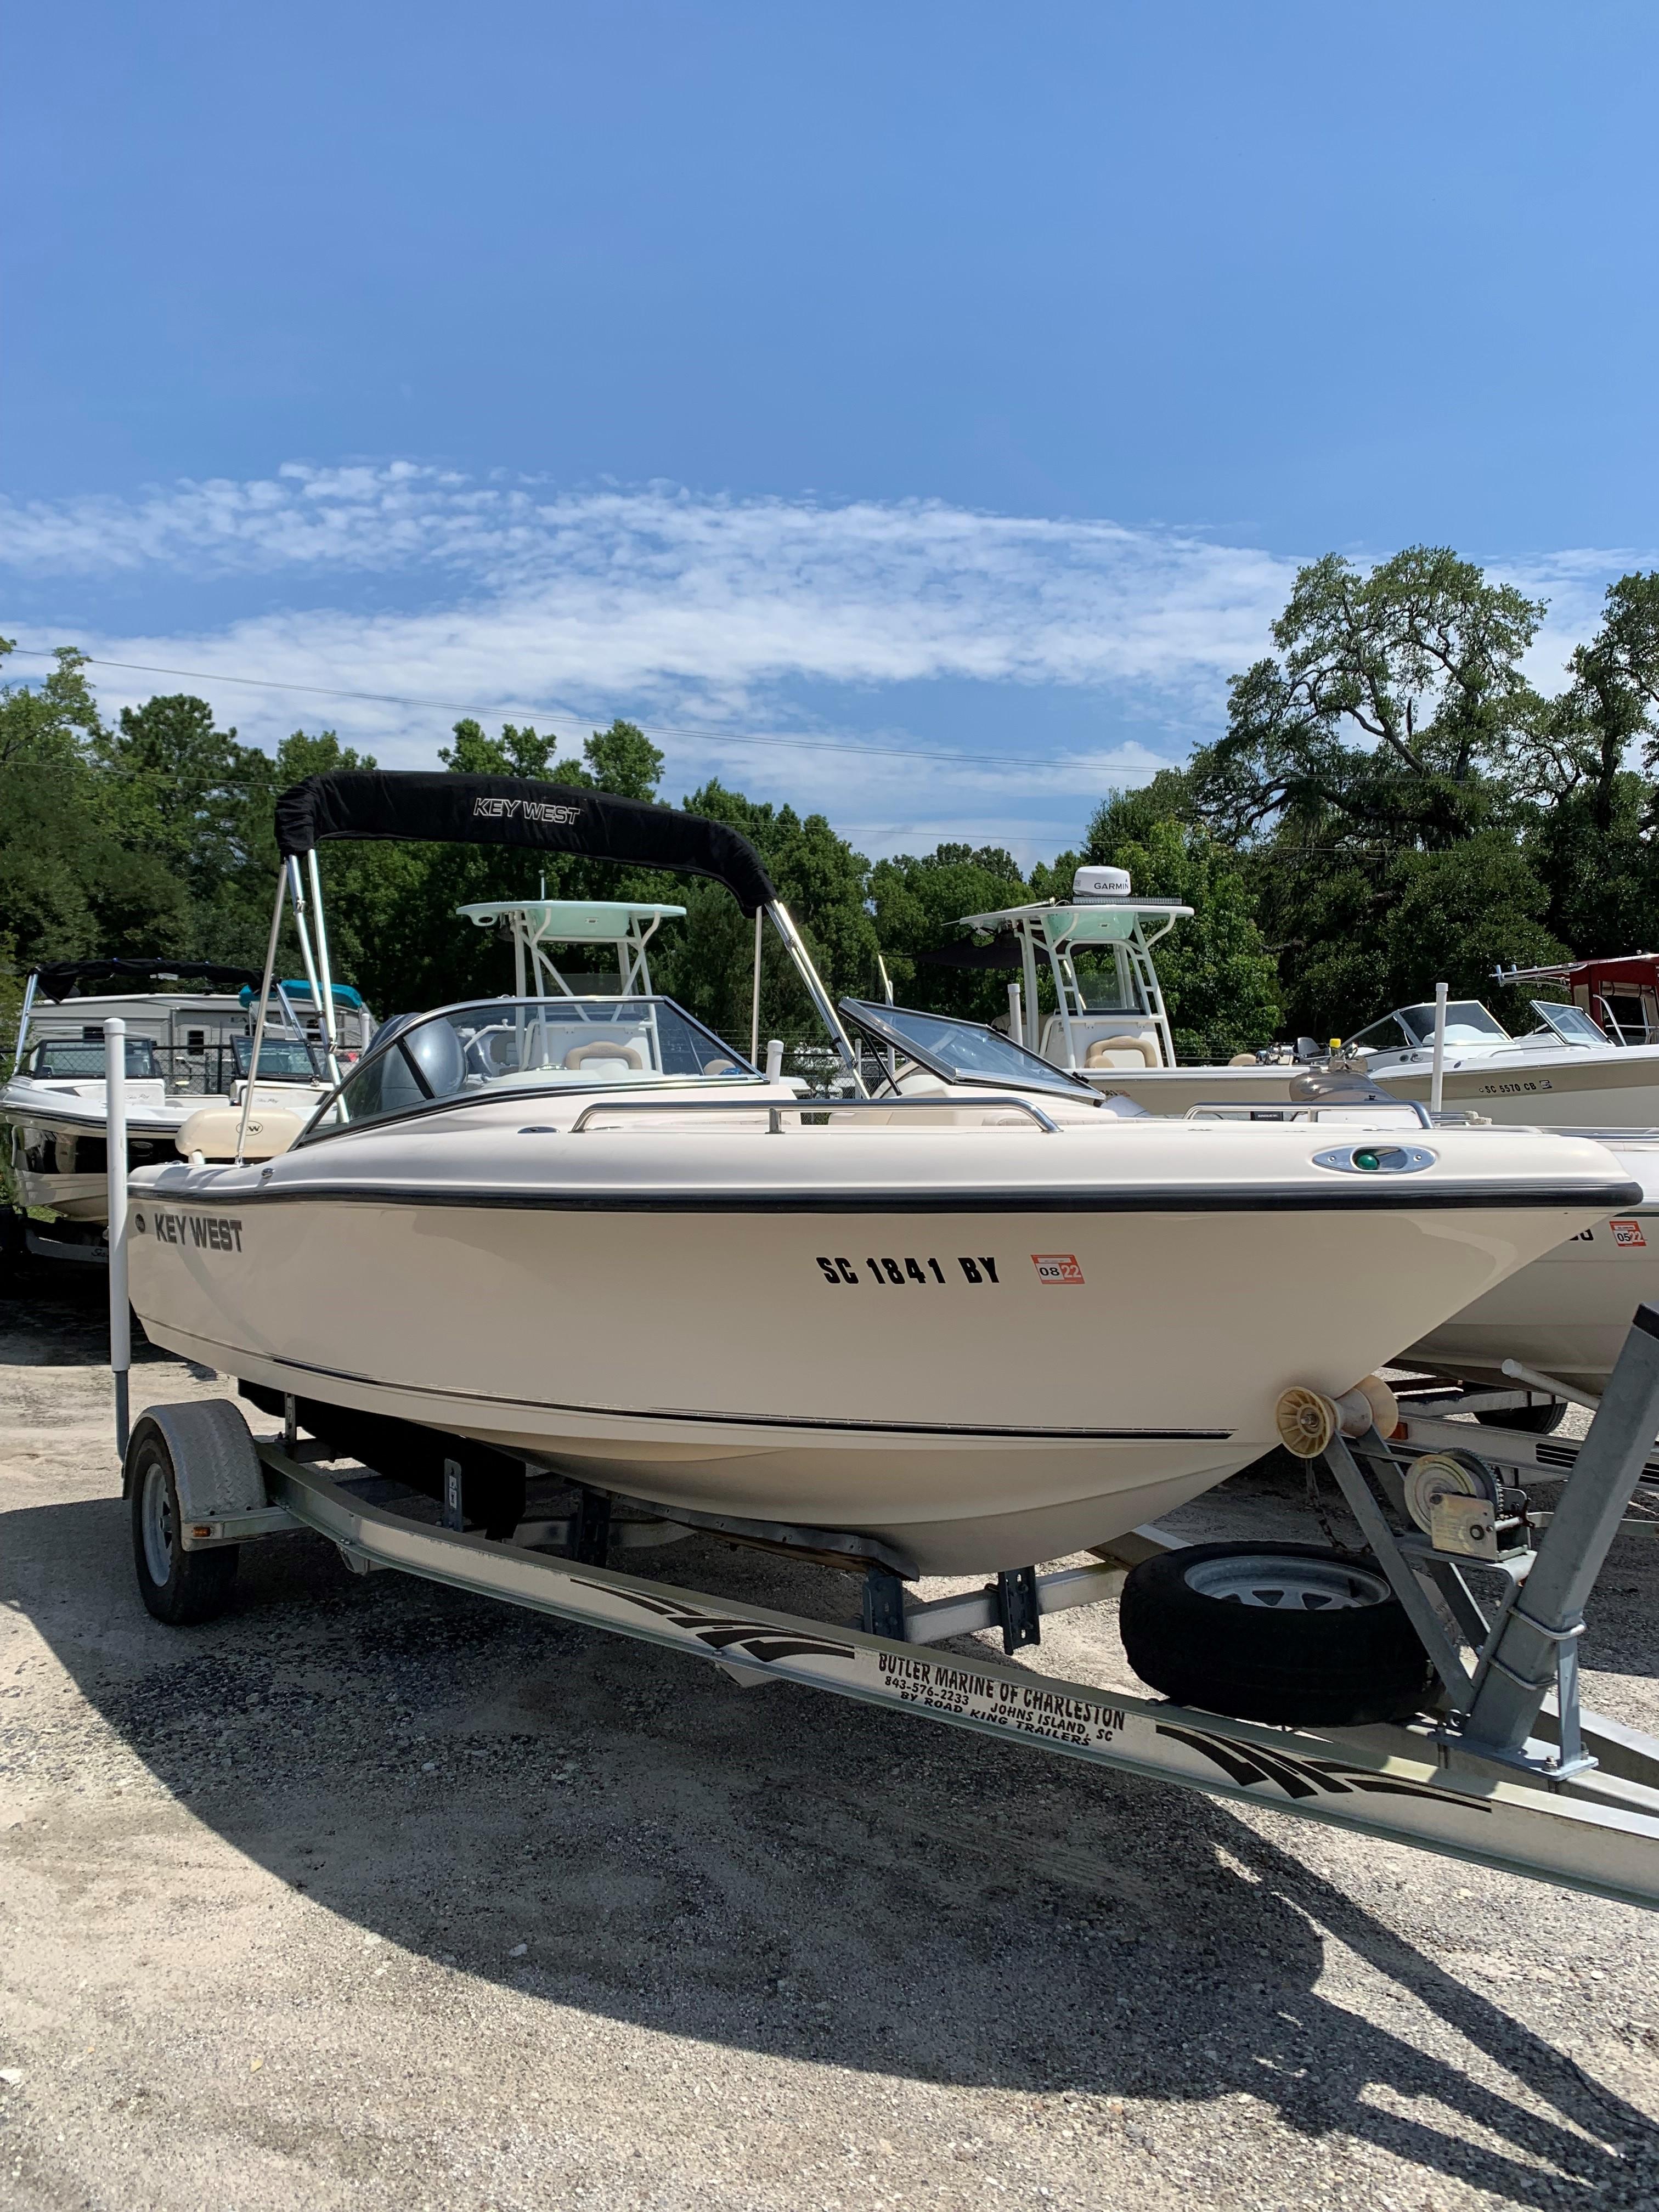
point(1121, 1052)
point(606, 1048)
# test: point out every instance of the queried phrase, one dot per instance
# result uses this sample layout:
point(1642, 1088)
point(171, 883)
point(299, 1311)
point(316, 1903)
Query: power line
point(553, 716)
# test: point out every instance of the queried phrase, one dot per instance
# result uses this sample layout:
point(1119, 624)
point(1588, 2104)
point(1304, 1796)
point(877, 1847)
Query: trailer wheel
point(181, 1587)
point(1531, 1421)
point(1291, 1634)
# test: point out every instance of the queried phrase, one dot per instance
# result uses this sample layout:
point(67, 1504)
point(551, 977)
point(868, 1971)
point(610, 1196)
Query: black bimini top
point(58, 978)
point(431, 806)
point(1001, 953)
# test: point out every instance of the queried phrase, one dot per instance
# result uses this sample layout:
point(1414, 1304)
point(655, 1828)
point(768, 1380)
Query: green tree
point(1392, 712)
point(181, 787)
point(71, 882)
point(1395, 723)
point(1592, 842)
point(919, 900)
point(706, 961)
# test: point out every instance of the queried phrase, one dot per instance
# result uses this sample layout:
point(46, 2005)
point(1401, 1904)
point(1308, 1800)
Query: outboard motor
point(436, 1051)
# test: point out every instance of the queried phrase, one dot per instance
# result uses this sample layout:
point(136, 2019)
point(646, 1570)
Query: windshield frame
point(1457, 1016)
point(397, 1030)
point(1559, 1020)
point(875, 1022)
point(308, 1045)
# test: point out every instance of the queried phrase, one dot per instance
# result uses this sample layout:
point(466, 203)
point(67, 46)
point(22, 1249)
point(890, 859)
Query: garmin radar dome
point(1100, 882)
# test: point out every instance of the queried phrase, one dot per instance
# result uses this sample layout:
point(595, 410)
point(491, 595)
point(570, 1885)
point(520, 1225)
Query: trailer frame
point(1589, 1821)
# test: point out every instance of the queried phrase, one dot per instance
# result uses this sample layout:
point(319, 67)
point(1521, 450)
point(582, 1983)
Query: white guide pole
point(115, 1139)
point(754, 1002)
point(264, 1000)
point(1016, 1015)
point(1437, 1078)
point(326, 973)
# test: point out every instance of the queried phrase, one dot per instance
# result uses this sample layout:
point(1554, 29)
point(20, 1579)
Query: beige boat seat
point(1242, 1060)
point(605, 1048)
point(213, 1131)
point(1121, 1052)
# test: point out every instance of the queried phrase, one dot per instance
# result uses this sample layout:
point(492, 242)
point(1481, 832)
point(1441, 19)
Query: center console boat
point(1084, 993)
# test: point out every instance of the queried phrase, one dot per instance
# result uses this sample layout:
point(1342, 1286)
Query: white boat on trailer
point(1377, 1693)
point(186, 1049)
point(584, 1233)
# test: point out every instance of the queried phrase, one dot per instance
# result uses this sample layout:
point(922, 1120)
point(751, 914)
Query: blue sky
point(895, 381)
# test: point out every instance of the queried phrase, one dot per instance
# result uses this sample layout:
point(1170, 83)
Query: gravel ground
point(371, 1893)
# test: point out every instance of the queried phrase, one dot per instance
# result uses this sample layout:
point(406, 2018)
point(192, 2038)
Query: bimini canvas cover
point(1001, 953)
point(58, 978)
point(512, 810)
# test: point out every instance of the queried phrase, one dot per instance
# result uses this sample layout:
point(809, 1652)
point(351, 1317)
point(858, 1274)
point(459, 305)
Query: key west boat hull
point(988, 1346)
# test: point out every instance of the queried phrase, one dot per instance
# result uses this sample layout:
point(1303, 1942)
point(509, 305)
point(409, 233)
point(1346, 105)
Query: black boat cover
point(1001, 953)
point(430, 806)
point(58, 978)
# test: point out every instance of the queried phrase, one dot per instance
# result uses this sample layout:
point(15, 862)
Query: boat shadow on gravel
point(787, 1873)
point(55, 1313)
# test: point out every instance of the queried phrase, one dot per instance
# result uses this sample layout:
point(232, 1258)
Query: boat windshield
point(1467, 1022)
point(281, 1060)
point(506, 1045)
point(960, 1052)
point(76, 1058)
point(1571, 1023)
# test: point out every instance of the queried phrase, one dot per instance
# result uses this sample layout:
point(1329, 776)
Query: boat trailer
point(1502, 1767)
point(1505, 1770)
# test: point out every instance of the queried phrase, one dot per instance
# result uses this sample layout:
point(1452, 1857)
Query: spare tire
point(1529, 1420)
point(1293, 1634)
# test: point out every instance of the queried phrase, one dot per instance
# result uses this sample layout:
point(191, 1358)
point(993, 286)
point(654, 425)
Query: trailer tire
point(1291, 1634)
point(181, 1587)
point(1530, 1421)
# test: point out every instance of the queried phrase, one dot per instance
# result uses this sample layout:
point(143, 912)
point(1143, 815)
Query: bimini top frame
point(426, 807)
point(1091, 920)
point(537, 925)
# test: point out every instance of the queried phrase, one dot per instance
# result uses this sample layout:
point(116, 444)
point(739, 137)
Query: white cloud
point(512, 599)
point(631, 586)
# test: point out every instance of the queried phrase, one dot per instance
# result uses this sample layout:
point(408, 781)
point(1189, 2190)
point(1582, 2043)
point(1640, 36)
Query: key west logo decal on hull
point(206, 1232)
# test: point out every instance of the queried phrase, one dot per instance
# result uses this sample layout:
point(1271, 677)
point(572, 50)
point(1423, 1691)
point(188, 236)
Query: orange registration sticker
point(1057, 1266)
point(1627, 1235)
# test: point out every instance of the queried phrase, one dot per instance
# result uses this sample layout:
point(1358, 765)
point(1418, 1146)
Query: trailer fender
point(214, 1466)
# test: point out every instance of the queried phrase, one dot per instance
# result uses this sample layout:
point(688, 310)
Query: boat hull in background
point(1614, 1090)
point(1567, 1315)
